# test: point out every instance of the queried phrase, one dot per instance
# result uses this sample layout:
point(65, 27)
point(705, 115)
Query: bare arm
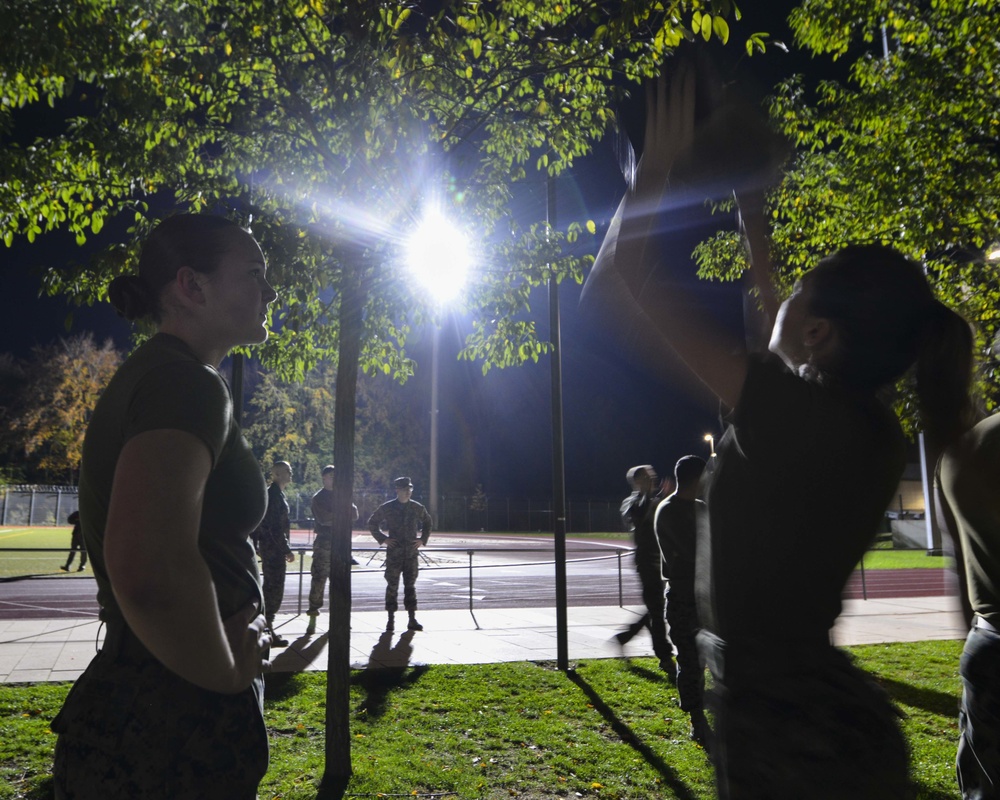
point(670, 129)
point(755, 228)
point(158, 576)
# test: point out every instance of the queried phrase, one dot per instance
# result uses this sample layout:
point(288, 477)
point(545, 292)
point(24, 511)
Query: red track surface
point(881, 583)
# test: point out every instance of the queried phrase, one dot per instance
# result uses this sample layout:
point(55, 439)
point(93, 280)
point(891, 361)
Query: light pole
point(438, 256)
point(711, 443)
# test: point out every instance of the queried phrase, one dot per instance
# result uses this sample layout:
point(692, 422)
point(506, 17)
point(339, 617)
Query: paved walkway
point(59, 650)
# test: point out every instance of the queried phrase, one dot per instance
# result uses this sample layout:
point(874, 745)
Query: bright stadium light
point(438, 256)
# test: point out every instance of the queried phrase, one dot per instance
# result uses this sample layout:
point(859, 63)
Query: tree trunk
point(338, 677)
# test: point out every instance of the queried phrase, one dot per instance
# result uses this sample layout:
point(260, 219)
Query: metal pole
point(621, 595)
point(472, 613)
point(864, 584)
point(302, 566)
point(558, 454)
point(433, 500)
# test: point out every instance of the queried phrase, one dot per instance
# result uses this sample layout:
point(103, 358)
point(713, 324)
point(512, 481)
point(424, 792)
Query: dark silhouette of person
point(76, 543)
point(676, 533)
point(637, 511)
point(274, 546)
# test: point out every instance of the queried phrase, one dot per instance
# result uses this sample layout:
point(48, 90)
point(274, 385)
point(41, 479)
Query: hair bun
point(131, 297)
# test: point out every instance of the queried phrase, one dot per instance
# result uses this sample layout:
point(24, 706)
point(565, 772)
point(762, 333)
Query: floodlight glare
point(438, 256)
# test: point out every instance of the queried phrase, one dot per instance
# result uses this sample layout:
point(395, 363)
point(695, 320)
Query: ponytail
point(887, 319)
point(944, 374)
point(132, 298)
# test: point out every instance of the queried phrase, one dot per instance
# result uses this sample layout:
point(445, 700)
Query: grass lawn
point(523, 730)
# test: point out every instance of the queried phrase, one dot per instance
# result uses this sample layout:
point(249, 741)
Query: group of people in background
point(170, 491)
point(403, 525)
point(664, 528)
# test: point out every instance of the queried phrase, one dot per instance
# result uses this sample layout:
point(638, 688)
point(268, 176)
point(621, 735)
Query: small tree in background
point(62, 383)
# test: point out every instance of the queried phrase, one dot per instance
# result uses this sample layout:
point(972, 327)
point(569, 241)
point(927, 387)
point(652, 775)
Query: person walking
point(172, 704)
point(273, 539)
point(638, 510)
point(322, 510)
point(675, 524)
point(76, 543)
point(403, 525)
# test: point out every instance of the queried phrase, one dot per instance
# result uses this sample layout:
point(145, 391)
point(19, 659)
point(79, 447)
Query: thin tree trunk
point(338, 676)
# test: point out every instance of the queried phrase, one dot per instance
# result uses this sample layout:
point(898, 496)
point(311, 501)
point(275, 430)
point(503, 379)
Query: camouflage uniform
point(407, 525)
point(132, 728)
point(272, 538)
point(322, 510)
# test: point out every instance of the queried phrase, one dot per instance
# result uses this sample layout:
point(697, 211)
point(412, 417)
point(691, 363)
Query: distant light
point(439, 256)
point(993, 254)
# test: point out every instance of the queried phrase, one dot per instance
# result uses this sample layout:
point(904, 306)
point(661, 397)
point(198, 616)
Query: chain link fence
point(50, 505)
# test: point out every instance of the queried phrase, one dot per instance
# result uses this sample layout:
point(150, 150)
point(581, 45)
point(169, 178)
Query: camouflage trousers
point(401, 559)
point(798, 720)
point(979, 717)
point(132, 728)
point(320, 570)
point(682, 619)
point(272, 568)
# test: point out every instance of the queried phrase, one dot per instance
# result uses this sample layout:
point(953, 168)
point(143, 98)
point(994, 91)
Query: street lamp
point(439, 257)
point(711, 443)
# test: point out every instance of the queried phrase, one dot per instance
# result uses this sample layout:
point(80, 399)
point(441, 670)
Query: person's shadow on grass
point(388, 669)
point(930, 700)
point(680, 789)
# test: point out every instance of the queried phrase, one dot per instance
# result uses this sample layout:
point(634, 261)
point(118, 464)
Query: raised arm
point(160, 580)
point(670, 132)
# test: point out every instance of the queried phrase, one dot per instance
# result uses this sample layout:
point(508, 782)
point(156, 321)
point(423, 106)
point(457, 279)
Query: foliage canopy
point(905, 151)
point(329, 123)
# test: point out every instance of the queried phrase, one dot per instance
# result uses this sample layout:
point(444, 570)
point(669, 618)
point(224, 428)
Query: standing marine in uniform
point(322, 511)
point(274, 546)
point(404, 525)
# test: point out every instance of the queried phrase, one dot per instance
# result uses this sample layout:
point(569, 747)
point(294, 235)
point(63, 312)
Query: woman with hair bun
point(805, 471)
point(172, 704)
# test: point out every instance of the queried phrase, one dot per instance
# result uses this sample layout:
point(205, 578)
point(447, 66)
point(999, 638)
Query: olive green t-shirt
point(969, 474)
point(163, 386)
point(805, 473)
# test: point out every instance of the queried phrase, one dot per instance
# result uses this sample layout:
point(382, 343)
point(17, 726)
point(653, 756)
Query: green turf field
point(54, 541)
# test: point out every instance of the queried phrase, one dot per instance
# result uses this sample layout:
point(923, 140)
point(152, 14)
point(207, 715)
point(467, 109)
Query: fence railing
point(31, 562)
